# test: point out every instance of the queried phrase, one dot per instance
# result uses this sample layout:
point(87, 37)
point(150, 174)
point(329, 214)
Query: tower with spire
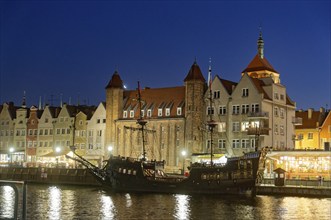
point(260, 67)
point(114, 104)
point(195, 87)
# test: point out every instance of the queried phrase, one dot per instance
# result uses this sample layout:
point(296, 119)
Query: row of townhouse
point(31, 134)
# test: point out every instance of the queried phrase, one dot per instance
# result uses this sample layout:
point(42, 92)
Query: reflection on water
point(182, 208)
point(108, 209)
point(74, 202)
point(6, 202)
point(54, 203)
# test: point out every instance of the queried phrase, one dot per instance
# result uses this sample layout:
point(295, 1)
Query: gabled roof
point(153, 99)
point(194, 73)
point(258, 64)
point(228, 85)
point(259, 86)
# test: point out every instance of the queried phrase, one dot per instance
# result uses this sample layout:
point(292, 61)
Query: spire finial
point(260, 44)
point(24, 100)
point(195, 60)
point(209, 74)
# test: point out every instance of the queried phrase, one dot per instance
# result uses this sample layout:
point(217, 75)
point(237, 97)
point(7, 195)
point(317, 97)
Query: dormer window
point(125, 114)
point(149, 113)
point(245, 92)
point(159, 112)
point(142, 113)
point(131, 114)
point(167, 112)
point(179, 111)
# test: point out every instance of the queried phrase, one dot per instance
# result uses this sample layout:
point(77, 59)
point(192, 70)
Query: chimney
point(322, 110)
point(310, 113)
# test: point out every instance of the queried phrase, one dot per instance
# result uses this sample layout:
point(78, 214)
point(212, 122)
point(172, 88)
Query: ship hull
point(237, 177)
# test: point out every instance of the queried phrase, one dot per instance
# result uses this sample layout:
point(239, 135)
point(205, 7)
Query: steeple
point(115, 82)
point(194, 73)
point(260, 45)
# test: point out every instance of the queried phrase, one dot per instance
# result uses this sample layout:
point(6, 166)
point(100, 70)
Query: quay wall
point(49, 175)
point(294, 191)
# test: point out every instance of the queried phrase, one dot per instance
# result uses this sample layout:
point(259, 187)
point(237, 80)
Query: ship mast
point(141, 122)
point(211, 123)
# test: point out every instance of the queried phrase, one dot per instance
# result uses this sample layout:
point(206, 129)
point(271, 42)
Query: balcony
point(297, 121)
point(264, 115)
point(258, 131)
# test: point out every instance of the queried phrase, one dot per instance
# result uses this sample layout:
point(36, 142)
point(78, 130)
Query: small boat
point(234, 175)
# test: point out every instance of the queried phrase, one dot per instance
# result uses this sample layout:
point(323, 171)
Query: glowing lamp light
point(183, 153)
point(11, 150)
point(57, 149)
point(110, 148)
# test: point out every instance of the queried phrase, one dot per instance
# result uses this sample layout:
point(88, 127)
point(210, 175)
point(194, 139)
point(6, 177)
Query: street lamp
point(183, 154)
point(11, 151)
point(110, 149)
point(57, 150)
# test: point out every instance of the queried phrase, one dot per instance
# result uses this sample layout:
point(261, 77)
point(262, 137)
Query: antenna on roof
point(24, 100)
point(61, 103)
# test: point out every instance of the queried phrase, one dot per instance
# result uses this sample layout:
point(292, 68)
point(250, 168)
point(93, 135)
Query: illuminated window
point(125, 114)
point(244, 125)
point(245, 143)
point(276, 111)
point(222, 127)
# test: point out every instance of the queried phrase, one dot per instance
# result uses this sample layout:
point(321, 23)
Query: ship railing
point(14, 185)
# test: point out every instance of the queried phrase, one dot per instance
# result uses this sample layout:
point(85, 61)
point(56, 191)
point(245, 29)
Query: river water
point(76, 202)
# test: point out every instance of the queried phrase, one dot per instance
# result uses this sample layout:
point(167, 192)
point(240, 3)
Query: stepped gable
point(154, 99)
point(258, 64)
point(115, 82)
point(194, 73)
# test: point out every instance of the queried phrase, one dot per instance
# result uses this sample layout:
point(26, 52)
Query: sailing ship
point(235, 175)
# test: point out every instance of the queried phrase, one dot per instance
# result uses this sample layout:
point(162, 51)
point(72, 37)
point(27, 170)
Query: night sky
point(73, 48)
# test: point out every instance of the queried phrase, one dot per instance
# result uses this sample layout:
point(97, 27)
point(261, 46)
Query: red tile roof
point(316, 120)
point(154, 99)
point(259, 64)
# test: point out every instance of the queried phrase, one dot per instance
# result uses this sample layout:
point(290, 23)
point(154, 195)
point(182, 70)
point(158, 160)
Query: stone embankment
point(48, 175)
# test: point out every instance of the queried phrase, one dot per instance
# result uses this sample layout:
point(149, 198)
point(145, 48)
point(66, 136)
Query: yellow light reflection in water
point(182, 209)
point(7, 199)
point(108, 209)
point(54, 203)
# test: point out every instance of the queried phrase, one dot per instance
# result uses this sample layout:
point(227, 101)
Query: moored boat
point(233, 175)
